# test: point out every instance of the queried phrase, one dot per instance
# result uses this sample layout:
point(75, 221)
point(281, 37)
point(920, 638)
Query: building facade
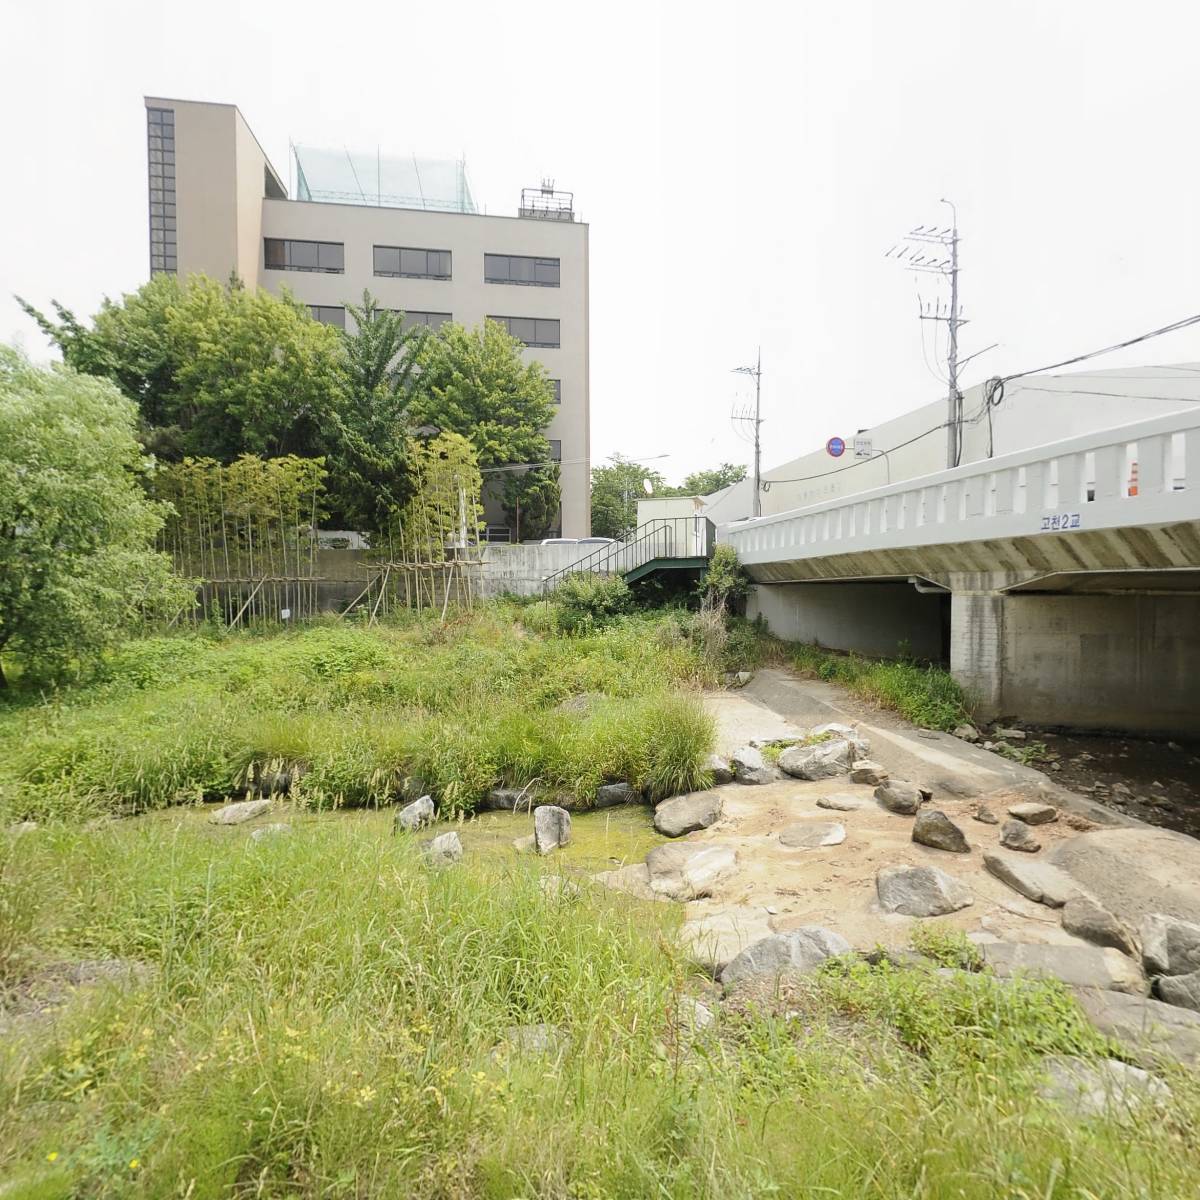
point(406, 230)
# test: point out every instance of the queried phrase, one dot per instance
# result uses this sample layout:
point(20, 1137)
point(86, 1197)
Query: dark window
point(521, 268)
point(555, 450)
point(160, 137)
point(533, 331)
point(290, 254)
point(557, 385)
point(431, 320)
point(328, 314)
point(409, 263)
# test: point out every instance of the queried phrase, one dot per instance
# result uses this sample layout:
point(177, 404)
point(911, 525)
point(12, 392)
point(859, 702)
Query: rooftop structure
point(383, 180)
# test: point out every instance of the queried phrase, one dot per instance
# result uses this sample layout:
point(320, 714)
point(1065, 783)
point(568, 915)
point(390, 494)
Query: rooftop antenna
point(745, 418)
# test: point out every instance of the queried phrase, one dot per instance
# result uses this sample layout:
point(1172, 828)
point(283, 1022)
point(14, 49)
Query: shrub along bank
point(369, 715)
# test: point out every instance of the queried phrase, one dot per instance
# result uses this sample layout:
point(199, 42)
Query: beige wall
point(224, 214)
point(468, 237)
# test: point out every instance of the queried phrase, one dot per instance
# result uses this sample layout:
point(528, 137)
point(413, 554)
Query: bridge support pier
point(977, 640)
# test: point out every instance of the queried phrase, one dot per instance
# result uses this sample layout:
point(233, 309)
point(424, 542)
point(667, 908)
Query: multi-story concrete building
point(406, 230)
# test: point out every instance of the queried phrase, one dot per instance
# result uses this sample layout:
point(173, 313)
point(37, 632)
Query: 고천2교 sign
point(1057, 522)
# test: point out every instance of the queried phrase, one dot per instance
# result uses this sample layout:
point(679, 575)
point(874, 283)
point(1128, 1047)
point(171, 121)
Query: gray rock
point(1099, 1088)
point(1011, 735)
point(633, 879)
point(1033, 813)
point(688, 870)
point(749, 766)
point(741, 678)
point(1135, 872)
point(1149, 1031)
point(920, 891)
point(1170, 946)
point(809, 835)
point(1037, 881)
point(1079, 966)
point(525, 845)
point(22, 827)
point(1181, 990)
point(985, 816)
point(243, 810)
point(720, 767)
point(559, 888)
point(1083, 917)
point(847, 733)
point(841, 802)
point(686, 814)
point(967, 732)
point(692, 1016)
point(1016, 835)
point(868, 772)
point(415, 815)
point(551, 828)
point(898, 796)
point(802, 950)
point(610, 795)
point(505, 799)
point(445, 848)
point(934, 828)
point(822, 761)
point(264, 832)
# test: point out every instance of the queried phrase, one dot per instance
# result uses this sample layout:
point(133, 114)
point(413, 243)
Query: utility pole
point(912, 253)
point(756, 371)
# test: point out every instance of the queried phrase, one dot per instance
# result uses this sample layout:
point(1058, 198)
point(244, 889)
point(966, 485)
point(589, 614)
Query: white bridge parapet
point(1143, 473)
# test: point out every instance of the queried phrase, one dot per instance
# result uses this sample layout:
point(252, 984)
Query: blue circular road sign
point(836, 447)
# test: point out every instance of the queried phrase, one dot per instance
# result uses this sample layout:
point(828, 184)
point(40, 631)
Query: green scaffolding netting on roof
point(366, 177)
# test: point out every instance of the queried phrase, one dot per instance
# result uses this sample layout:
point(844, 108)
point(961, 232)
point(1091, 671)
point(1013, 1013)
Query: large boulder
point(722, 771)
point(445, 848)
point(749, 766)
point(551, 828)
point(1149, 1031)
point(920, 891)
point(1180, 990)
point(633, 879)
point(1086, 919)
point(810, 835)
point(686, 814)
point(1016, 835)
point(868, 772)
point(241, 811)
point(899, 796)
point(1035, 880)
point(413, 816)
point(1079, 966)
point(506, 799)
point(845, 733)
point(716, 939)
point(1135, 872)
point(822, 761)
point(935, 829)
point(609, 795)
point(1099, 1088)
point(1170, 946)
point(688, 870)
point(803, 949)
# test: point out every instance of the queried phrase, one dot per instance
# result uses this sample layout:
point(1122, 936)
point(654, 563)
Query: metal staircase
point(664, 544)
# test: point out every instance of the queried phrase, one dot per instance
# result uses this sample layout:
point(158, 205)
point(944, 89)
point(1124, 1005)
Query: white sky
point(743, 168)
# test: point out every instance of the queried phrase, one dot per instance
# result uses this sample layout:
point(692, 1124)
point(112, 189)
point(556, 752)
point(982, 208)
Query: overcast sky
point(743, 167)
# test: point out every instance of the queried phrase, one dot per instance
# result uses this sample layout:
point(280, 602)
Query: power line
point(1115, 395)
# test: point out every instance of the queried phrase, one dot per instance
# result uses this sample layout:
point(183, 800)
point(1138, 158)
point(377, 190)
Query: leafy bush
point(724, 583)
point(588, 601)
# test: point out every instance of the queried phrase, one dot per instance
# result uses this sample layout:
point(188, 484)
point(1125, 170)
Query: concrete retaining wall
point(520, 569)
point(882, 619)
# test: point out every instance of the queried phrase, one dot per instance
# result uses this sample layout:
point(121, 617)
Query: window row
point(160, 140)
point(533, 331)
point(406, 262)
point(289, 254)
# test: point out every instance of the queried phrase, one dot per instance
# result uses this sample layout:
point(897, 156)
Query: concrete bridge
point(1060, 584)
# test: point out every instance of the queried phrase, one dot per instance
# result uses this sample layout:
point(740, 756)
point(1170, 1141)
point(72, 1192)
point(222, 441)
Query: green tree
point(215, 370)
point(704, 483)
point(616, 488)
point(474, 382)
point(369, 458)
point(77, 567)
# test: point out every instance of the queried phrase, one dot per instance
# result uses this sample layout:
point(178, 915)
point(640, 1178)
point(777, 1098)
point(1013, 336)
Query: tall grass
point(328, 1018)
point(455, 710)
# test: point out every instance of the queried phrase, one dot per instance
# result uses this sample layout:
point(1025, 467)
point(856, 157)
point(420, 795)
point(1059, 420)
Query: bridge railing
point(662, 537)
point(1143, 473)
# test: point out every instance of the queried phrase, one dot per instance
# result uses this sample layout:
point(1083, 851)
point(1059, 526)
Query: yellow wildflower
point(52, 1156)
point(134, 1163)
